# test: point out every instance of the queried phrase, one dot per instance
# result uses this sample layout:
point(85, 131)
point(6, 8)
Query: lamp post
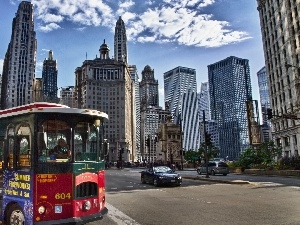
point(205, 141)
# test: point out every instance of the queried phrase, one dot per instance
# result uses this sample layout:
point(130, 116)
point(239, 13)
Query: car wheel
point(15, 215)
point(224, 174)
point(155, 182)
point(199, 172)
point(213, 173)
point(143, 180)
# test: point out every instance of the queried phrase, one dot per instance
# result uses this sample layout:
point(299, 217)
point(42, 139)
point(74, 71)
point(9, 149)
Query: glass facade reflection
point(229, 88)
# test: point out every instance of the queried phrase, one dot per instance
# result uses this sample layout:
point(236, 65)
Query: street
point(264, 200)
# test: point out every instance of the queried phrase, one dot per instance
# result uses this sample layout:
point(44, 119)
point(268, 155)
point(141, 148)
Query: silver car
point(214, 168)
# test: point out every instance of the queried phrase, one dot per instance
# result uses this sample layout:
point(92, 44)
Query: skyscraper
point(229, 88)
point(120, 41)
point(49, 76)
point(203, 101)
point(263, 88)
point(148, 88)
point(180, 87)
point(280, 27)
point(151, 114)
point(136, 109)
point(210, 125)
point(105, 84)
point(19, 62)
point(67, 96)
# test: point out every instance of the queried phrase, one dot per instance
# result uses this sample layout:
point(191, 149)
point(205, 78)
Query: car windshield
point(162, 169)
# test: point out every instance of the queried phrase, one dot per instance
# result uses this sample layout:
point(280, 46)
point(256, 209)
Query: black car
point(160, 175)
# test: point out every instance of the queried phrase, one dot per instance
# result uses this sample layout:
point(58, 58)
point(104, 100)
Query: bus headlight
point(87, 205)
point(41, 210)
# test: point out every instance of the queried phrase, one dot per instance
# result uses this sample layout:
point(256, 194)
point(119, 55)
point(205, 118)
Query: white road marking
point(119, 217)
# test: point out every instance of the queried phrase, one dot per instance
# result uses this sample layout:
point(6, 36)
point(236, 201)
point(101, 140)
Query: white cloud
point(49, 27)
point(49, 18)
point(86, 12)
point(184, 26)
point(81, 29)
point(205, 3)
point(178, 21)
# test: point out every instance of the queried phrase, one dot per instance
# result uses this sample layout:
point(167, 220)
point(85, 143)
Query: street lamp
point(205, 140)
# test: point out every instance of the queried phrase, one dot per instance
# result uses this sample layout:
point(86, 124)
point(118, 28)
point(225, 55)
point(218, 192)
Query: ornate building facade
point(105, 84)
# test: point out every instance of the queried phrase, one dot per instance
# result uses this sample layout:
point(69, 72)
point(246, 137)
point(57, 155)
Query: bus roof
point(47, 107)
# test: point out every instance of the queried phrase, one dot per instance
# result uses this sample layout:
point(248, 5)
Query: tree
point(212, 151)
point(191, 156)
point(265, 154)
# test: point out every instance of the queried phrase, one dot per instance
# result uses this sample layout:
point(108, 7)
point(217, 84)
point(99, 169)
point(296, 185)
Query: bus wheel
point(15, 215)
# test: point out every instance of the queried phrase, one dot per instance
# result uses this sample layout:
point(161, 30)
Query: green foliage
point(212, 151)
point(191, 156)
point(261, 157)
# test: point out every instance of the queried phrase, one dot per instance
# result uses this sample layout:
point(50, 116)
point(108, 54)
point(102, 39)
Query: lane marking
point(119, 217)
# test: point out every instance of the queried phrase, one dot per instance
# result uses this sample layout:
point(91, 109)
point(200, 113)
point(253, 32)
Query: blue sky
point(163, 34)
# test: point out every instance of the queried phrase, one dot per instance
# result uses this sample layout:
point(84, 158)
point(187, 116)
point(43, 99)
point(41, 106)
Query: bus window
point(11, 143)
point(85, 141)
point(10, 147)
point(23, 147)
point(54, 141)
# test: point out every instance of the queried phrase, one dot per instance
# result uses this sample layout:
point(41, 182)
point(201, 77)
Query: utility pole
point(181, 144)
point(206, 153)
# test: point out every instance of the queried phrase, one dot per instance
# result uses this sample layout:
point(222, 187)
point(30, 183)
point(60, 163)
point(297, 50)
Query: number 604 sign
point(62, 196)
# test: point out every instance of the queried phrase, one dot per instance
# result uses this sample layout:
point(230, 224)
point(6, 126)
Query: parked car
point(214, 168)
point(161, 175)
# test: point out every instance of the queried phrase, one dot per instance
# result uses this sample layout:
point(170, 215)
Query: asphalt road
point(262, 201)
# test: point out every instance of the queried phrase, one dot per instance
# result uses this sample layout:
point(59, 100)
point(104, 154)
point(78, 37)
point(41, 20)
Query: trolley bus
point(52, 165)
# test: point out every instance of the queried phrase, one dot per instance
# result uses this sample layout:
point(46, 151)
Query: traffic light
point(269, 113)
point(207, 138)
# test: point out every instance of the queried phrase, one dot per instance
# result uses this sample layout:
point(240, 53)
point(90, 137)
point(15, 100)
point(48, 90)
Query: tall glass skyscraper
point(180, 87)
point(19, 62)
point(264, 95)
point(229, 88)
point(203, 101)
point(49, 76)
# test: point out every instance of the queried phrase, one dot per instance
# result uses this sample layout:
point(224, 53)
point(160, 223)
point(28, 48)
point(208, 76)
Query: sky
point(163, 34)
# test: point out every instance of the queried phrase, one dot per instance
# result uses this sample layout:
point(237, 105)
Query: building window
point(287, 141)
point(278, 142)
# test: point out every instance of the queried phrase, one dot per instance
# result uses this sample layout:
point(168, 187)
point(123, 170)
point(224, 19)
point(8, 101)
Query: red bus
point(52, 165)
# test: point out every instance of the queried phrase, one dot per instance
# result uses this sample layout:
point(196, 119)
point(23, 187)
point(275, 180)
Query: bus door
point(17, 173)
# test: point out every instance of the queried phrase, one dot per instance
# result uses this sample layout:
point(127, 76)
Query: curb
point(216, 180)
